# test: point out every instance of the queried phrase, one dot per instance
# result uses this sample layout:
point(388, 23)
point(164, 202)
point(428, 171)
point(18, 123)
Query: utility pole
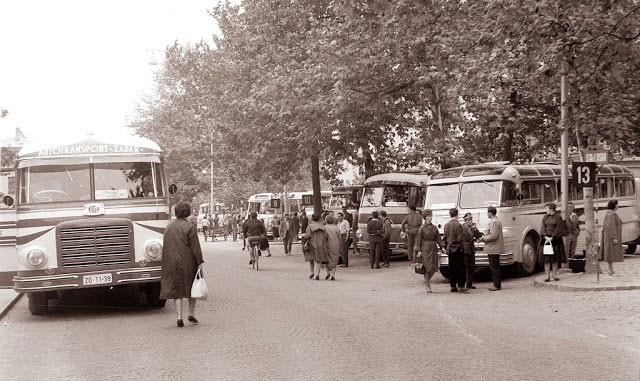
point(211, 177)
point(564, 144)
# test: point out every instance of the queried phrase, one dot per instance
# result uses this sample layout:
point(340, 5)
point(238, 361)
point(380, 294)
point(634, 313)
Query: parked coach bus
point(520, 193)
point(88, 212)
point(393, 193)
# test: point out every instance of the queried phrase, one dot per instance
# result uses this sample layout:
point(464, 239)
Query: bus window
point(624, 187)
point(604, 188)
point(395, 195)
point(416, 197)
point(442, 196)
point(479, 195)
point(530, 192)
point(548, 191)
point(509, 194)
point(372, 196)
point(123, 180)
point(55, 183)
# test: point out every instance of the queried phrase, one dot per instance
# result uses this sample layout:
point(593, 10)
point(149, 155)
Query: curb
point(10, 305)
point(561, 287)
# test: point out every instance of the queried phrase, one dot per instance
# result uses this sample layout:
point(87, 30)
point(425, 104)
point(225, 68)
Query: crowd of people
point(327, 237)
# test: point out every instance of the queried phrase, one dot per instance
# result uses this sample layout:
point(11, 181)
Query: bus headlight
point(359, 233)
point(153, 251)
point(36, 257)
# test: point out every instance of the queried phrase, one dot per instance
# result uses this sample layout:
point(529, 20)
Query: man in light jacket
point(494, 246)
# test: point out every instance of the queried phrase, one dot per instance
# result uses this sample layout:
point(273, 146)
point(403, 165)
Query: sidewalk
point(8, 298)
point(628, 278)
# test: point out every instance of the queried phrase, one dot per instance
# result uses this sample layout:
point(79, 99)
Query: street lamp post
point(211, 177)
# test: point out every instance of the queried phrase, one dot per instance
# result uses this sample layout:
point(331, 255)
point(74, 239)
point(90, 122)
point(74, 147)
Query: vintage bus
point(394, 193)
point(89, 212)
point(520, 193)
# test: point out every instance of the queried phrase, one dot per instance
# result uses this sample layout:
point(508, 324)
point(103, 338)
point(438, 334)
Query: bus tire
point(631, 249)
point(446, 273)
point(38, 303)
point(529, 258)
point(152, 292)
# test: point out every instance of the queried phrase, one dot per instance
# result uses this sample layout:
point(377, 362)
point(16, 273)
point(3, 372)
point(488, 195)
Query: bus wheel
point(631, 249)
point(446, 273)
point(152, 292)
point(529, 255)
point(37, 303)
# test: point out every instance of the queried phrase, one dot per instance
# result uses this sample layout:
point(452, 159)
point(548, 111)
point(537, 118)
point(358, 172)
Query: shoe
point(311, 276)
point(180, 323)
point(333, 278)
point(377, 267)
point(193, 320)
point(463, 290)
point(251, 262)
point(385, 265)
point(548, 279)
point(494, 288)
point(243, 248)
point(269, 255)
point(471, 287)
point(327, 277)
point(345, 265)
point(317, 277)
point(556, 278)
point(454, 289)
point(341, 266)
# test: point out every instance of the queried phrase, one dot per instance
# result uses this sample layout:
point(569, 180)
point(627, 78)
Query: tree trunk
point(368, 164)
point(315, 182)
point(508, 144)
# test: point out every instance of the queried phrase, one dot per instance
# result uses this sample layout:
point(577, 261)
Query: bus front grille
point(95, 245)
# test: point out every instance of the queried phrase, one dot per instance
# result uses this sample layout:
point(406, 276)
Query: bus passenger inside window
point(395, 195)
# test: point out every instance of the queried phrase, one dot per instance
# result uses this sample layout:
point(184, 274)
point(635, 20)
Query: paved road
point(369, 324)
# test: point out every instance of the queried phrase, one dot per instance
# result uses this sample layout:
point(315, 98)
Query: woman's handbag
point(548, 248)
point(419, 269)
point(199, 288)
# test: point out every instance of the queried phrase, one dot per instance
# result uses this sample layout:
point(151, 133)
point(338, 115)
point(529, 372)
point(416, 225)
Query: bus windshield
point(73, 182)
point(392, 195)
point(341, 200)
point(442, 196)
point(471, 195)
point(480, 195)
point(261, 207)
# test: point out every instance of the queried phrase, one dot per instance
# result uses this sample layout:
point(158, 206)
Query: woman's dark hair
point(551, 205)
point(315, 217)
point(492, 210)
point(612, 204)
point(182, 210)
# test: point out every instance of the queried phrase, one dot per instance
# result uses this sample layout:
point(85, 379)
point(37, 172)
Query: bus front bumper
point(397, 248)
point(116, 277)
point(482, 259)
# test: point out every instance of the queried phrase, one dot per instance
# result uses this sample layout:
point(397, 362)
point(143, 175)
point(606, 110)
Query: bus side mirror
point(173, 189)
point(7, 200)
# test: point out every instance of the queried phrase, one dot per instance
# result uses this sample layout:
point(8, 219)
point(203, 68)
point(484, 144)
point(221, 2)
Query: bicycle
point(253, 251)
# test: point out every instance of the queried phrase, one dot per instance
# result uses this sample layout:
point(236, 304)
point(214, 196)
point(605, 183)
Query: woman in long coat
point(611, 247)
point(317, 247)
point(551, 228)
point(333, 246)
point(181, 259)
point(426, 245)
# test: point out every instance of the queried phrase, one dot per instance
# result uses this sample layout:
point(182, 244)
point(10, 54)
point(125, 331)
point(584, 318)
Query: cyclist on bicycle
point(254, 230)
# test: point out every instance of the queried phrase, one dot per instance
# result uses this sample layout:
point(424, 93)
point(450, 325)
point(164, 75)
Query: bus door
point(8, 257)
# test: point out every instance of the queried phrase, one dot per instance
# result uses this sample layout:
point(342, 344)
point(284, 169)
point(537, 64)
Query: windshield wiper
point(69, 174)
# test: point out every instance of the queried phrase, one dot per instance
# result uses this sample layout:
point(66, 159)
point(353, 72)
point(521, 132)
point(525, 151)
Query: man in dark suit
point(287, 231)
point(470, 234)
point(375, 230)
point(455, 251)
point(304, 221)
point(295, 220)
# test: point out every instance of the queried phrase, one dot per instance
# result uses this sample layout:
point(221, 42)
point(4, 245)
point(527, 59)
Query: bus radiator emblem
point(95, 209)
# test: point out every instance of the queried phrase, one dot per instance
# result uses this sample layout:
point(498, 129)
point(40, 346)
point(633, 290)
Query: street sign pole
point(584, 176)
point(564, 142)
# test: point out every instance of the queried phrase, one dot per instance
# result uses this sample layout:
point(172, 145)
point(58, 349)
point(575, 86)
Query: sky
point(72, 67)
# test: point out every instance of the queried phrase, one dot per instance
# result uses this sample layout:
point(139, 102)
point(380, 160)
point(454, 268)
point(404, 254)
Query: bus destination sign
point(91, 149)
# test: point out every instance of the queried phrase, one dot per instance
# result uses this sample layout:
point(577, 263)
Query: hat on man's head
point(467, 215)
point(427, 212)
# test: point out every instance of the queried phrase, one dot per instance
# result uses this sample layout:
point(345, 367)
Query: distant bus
point(89, 212)
point(205, 210)
point(394, 193)
point(261, 204)
point(296, 205)
point(520, 193)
